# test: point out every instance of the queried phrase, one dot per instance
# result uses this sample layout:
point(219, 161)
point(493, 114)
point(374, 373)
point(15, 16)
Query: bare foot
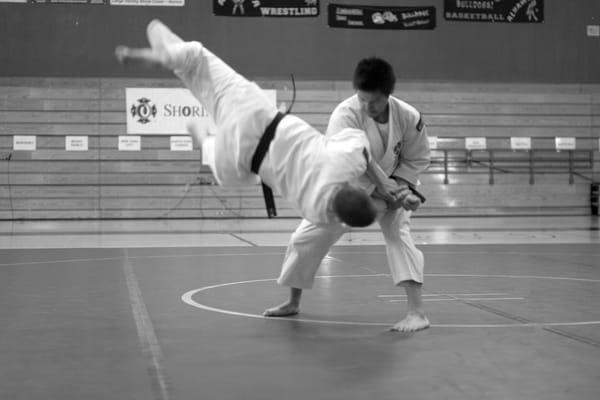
point(282, 310)
point(412, 323)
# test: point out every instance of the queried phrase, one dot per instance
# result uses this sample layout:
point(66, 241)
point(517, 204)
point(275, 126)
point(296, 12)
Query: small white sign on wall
point(76, 143)
point(433, 142)
point(22, 142)
point(475, 143)
point(593, 30)
point(565, 143)
point(181, 143)
point(130, 143)
point(520, 143)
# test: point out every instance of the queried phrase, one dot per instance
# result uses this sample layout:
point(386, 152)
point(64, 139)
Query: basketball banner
point(266, 8)
point(528, 11)
point(380, 17)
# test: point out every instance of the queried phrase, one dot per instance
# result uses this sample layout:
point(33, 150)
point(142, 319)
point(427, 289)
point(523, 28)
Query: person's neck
point(384, 117)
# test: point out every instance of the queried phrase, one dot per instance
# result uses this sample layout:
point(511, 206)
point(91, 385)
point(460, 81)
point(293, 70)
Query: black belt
point(259, 156)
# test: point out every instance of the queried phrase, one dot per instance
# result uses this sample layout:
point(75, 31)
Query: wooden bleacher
point(104, 183)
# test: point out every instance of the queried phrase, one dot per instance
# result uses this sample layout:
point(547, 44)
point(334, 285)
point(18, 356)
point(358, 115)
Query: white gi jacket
point(406, 155)
point(302, 165)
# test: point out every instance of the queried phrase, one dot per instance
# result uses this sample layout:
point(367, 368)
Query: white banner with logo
point(167, 111)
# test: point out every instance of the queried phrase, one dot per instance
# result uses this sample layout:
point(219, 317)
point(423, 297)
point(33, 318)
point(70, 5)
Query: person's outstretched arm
point(165, 49)
point(144, 56)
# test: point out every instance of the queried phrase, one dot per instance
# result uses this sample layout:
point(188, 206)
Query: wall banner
point(528, 11)
point(162, 111)
point(380, 17)
point(68, 1)
point(162, 3)
point(167, 111)
point(266, 8)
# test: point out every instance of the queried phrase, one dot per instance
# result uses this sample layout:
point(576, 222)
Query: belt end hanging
point(269, 201)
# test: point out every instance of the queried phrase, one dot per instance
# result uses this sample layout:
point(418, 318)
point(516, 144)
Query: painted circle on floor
point(188, 298)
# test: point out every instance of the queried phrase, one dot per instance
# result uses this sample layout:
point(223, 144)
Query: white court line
point(188, 298)
point(559, 278)
point(446, 294)
point(278, 253)
point(145, 329)
point(67, 260)
point(456, 299)
point(329, 257)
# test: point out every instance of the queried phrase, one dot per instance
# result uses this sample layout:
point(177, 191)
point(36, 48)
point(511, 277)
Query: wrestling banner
point(380, 17)
point(266, 8)
point(531, 11)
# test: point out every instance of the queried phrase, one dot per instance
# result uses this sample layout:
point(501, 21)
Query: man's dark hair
point(374, 74)
point(354, 207)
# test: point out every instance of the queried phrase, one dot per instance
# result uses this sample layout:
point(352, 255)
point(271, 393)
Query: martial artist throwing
point(312, 171)
point(399, 144)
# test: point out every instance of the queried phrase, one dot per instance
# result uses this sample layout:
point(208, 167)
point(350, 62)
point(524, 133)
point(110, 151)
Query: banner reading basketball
point(528, 11)
point(166, 111)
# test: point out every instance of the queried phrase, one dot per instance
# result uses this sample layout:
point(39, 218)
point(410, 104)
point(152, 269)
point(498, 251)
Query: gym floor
point(157, 310)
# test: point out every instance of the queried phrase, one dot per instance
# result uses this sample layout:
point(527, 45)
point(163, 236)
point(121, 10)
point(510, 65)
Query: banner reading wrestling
point(266, 8)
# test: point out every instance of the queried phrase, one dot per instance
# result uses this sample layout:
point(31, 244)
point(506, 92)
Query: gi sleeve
point(342, 117)
point(348, 155)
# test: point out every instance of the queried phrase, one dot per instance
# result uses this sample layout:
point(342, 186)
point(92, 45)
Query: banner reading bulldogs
point(266, 8)
point(531, 11)
point(380, 17)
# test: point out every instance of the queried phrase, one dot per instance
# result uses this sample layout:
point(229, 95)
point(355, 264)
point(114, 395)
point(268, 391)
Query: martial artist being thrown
point(314, 172)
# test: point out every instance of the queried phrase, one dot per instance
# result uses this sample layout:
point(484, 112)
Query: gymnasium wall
point(58, 78)
point(78, 41)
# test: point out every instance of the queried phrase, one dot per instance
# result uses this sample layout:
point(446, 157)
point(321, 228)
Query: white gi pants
point(240, 109)
point(310, 243)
